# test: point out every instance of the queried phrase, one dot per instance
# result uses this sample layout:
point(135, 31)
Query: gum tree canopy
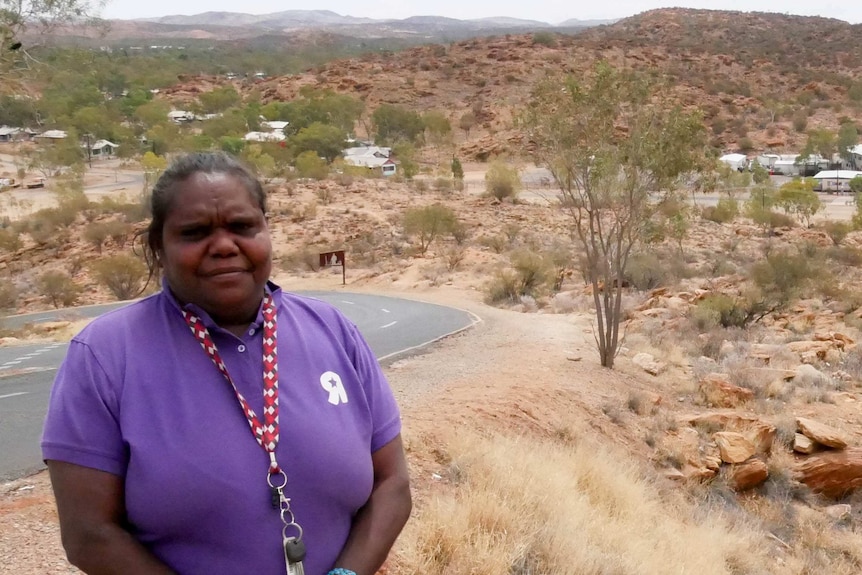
point(617, 147)
point(21, 23)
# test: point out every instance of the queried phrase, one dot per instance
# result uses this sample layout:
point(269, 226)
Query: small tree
point(58, 288)
point(799, 199)
point(428, 223)
point(502, 181)
point(96, 234)
point(466, 123)
point(611, 143)
point(457, 170)
point(310, 165)
point(122, 274)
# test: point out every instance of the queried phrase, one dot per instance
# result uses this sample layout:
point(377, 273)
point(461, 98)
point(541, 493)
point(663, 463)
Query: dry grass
point(521, 506)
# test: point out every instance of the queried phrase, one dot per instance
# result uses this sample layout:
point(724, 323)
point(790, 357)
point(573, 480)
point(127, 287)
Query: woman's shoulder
point(139, 316)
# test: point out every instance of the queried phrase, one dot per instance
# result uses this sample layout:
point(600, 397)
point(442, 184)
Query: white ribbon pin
point(331, 382)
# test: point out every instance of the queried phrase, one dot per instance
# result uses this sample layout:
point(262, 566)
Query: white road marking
point(31, 355)
point(388, 325)
point(13, 394)
point(347, 302)
point(384, 310)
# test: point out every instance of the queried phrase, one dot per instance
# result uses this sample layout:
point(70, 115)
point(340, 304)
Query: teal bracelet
point(341, 571)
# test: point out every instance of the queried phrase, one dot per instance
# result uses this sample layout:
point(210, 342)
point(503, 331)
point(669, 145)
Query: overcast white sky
point(552, 11)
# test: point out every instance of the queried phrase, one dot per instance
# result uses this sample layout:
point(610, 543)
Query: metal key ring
point(281, 474)
point(292, 524)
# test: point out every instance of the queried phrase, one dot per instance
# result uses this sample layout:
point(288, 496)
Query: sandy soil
point(501, 372)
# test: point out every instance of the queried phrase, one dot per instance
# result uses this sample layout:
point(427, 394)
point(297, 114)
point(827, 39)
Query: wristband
point(341, 571)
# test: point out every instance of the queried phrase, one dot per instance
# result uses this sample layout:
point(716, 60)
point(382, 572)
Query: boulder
point(835, 474)
point(648, 363)
point(759, 433)
point(733, 447)
point(803, 444)
point(718, 391)
point(748, 474)
point(821, 433)
point(840, 512)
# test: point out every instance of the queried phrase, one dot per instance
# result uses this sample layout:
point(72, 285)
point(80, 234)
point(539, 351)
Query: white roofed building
point(371, 157)
point(264, 137)
point(835, 180)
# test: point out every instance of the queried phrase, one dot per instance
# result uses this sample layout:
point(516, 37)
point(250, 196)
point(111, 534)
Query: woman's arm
point(381, 519)
point(92, 512)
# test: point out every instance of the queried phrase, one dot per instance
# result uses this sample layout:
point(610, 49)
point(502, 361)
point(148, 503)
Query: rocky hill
point(762, 80)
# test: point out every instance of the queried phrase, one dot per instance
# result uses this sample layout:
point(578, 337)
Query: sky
point(552, 11)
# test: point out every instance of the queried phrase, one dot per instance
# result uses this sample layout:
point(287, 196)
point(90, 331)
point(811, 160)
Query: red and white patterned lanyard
point(265, 433)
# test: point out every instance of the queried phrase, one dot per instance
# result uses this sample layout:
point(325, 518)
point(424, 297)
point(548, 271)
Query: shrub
point(428, 222)
point(544, 39)
point(502, 181)
point(122, 274)
point(95, 234)
point(58, 288)
point(9, 240)
point(725, 211)
point(310, 165)
point(645, 271)
point(724, 310)
point(533, 272)
point(307, 258)
point(503, 287)
point(836, 231)
point(119, 232)
point(8, 295)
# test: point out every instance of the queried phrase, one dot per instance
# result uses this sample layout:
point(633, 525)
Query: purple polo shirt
point(137, 397)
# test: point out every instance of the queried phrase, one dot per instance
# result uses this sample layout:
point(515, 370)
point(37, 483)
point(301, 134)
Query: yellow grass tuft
point(538, 507)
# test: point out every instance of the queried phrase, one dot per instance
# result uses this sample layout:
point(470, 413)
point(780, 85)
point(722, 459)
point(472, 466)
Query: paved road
point(393, 327)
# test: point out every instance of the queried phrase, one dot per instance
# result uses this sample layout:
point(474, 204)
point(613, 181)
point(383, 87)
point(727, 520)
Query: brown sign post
point(336, 258)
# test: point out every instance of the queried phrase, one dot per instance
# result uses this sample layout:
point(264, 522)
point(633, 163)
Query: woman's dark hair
point(168, 184)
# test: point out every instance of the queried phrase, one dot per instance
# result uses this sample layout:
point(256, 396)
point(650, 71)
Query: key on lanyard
point(294, 553)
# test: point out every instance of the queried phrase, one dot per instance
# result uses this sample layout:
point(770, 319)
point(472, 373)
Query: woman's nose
point(222, 243)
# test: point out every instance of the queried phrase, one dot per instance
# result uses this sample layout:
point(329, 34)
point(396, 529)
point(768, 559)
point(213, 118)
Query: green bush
point(645, 271)
point(428, 223)
point(836, 231)
point(721, 309)
point(503, 287)
point(502, 181)
point(8, 295)
point(544, 39)
point(58, 288)
point(725, 211)
point(122, 274)
point(9, 240)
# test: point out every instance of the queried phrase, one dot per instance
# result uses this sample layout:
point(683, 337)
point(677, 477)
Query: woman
point(222, 425)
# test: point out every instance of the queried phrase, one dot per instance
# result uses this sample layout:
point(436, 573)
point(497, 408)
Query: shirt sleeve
point(83, 421)
point(385, 416)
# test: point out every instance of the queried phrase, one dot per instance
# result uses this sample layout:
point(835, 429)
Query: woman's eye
point(193, 232)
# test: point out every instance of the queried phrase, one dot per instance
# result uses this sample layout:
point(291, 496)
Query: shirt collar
point(271, 288)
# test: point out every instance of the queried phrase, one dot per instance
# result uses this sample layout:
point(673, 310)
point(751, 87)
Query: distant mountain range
point(294, 20)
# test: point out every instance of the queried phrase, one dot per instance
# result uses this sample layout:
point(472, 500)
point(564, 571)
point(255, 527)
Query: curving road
point(393, 327)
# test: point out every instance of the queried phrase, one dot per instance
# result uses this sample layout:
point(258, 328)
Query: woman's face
point(216, 250)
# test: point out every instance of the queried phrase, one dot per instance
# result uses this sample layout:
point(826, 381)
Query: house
point(103, 149)
point(835, 180)
point(8, 134)
point(371, 157)
point(767, 160)
point(264, 137)
point(180, 116)
point(738, 162)
point(792, 165)
point(274, 125)
point(52, 135)
point(856, 156)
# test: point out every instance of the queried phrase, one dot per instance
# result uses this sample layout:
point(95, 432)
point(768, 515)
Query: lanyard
point(265, 433)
